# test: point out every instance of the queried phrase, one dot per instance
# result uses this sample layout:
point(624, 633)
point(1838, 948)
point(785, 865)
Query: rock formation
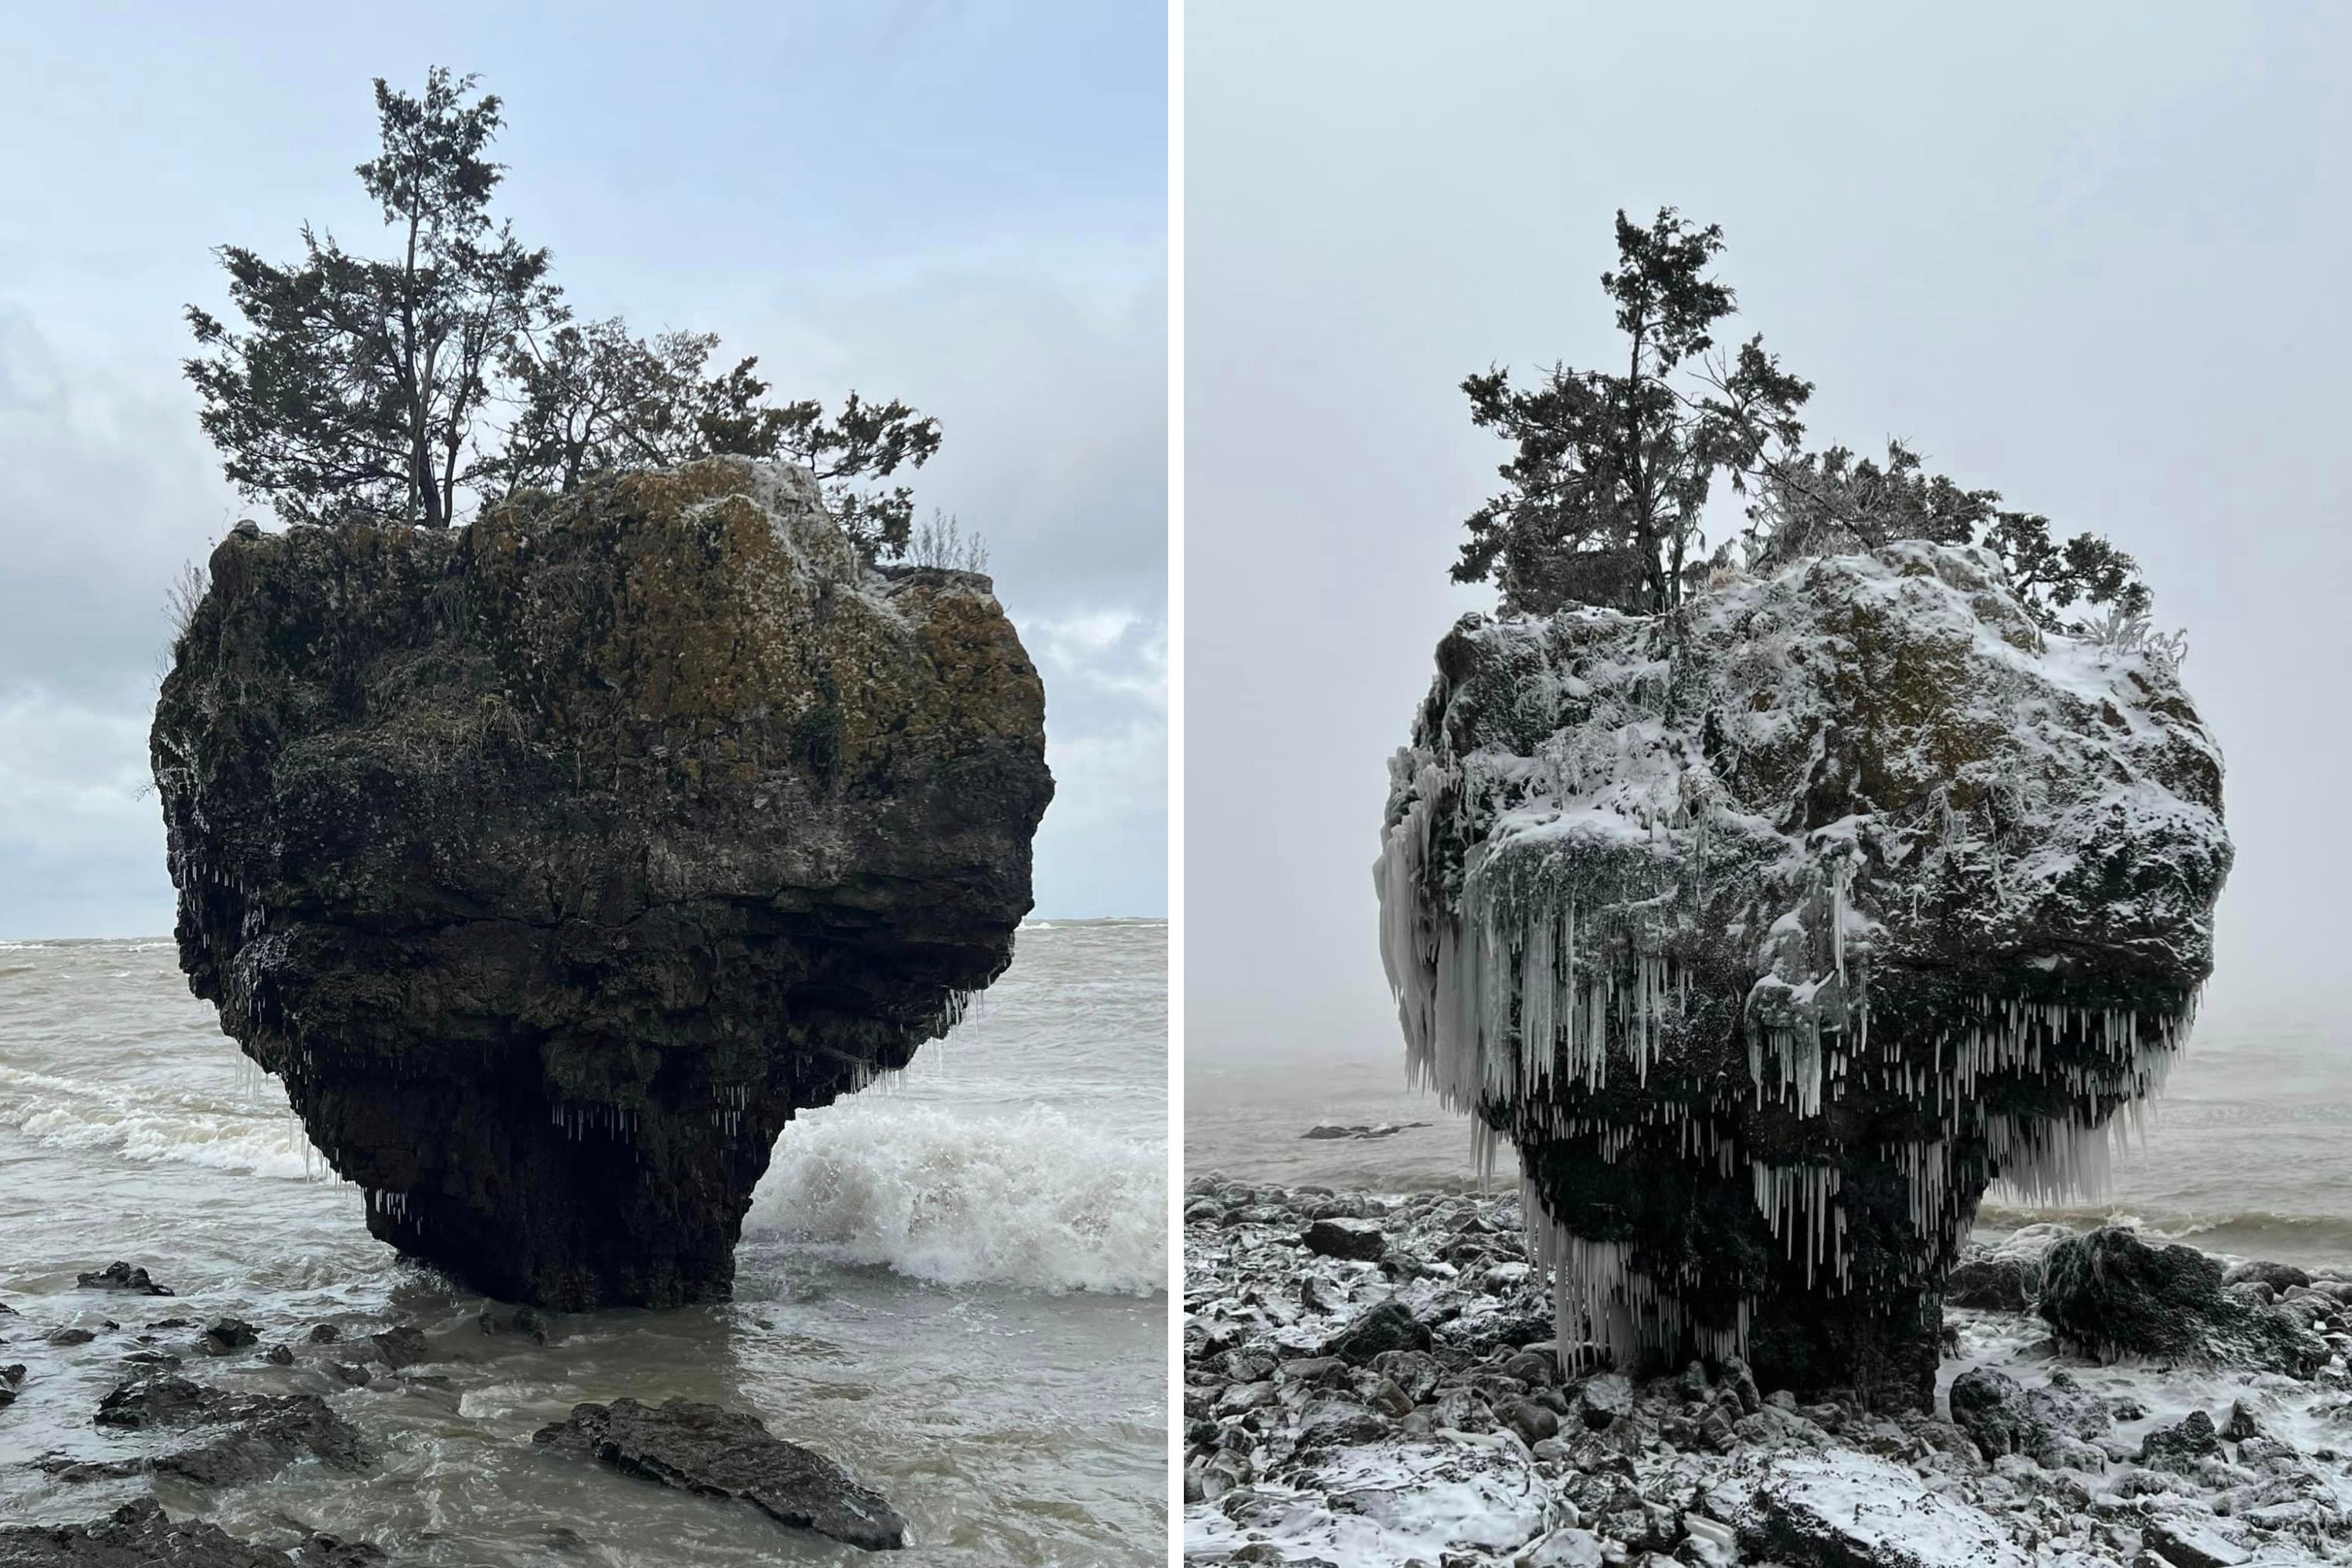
point(1771, 931)
point(555, 862)
point(720, 1452)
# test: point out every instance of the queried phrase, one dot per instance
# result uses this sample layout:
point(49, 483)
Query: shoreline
point(1406, 1404)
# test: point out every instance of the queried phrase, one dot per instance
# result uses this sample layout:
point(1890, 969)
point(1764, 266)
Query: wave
point(1030, 1200)
point(2252, 1232)
point(186, 1129)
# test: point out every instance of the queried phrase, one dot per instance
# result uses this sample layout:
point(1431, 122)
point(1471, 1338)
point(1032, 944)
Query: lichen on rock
point(1770, 931)
point(555, 862)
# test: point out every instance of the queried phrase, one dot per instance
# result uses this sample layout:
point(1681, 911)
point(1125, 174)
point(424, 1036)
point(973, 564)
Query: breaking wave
point(148, 1126)
point(1032, 1200)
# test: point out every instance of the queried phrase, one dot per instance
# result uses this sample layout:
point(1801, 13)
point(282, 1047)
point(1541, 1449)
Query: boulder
point(2055, 1426)
point(1847, 1510)
point(724, 1453)
point(1385, 1326)
point(555, 862)
point(1769, 932)
point(2110, 1294)
point(1357, 1240)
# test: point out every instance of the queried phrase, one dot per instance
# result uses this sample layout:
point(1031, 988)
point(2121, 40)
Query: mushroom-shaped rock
point(556, 861)
point(1772, 930)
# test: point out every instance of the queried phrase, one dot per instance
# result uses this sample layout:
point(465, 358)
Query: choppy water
point(2248, 1152)
point(956, 1288)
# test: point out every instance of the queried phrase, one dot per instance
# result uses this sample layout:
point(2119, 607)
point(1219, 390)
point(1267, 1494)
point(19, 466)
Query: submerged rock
point(725, 1453)
point(233, 1438)
point(140, 1535)
point(1771, 931)
point(556, 862)
point(2110, 1294)
point(120, 1276)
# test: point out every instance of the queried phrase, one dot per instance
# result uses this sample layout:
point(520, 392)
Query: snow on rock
point(1310, 1437)
point(1856, 1508)
point(1773, 931)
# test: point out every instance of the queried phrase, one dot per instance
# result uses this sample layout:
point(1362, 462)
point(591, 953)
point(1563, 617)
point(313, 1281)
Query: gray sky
point(2087, 255)
point(960, 205)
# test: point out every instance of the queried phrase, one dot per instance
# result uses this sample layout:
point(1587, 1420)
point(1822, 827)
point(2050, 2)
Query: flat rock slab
point(726, 1453)
point(1855, 1511)
point(236, 1437)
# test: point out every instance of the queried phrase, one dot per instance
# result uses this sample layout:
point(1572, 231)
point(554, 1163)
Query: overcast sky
point(2087, 255)
point(963, 206)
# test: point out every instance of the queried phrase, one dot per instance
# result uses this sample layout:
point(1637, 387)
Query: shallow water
point(954, 1285)
point(2248, 1152)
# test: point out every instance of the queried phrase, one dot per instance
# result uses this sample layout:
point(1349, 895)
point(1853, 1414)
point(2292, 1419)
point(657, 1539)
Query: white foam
point(1031, 1200)
point(148, 1126)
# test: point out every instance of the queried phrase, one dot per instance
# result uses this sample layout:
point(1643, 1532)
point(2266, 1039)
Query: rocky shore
point(191, 1406)
point(1374, 1380)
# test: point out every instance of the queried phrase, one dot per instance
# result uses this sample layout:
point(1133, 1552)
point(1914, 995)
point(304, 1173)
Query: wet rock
point(2054, 1426)
point(280, 1355)
point(1385, 1326)
point(722, 1453)
point(325, 1334)
point(554, 862)
point(227, 1334)
point(118, 1276)
point(1989, 1280)
point(401, 1347)
point(351, 1372)
point(2182, 1444)
point(12, 1378)
point(136, 1535)
point(234, 1438)
point(2110, 1294)
point(1647, 882)
point(67, 1337)
point(1358, 1240)
point(2277, 1276)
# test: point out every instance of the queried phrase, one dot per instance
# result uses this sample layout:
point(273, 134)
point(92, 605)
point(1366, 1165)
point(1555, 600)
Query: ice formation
point(1769, 932)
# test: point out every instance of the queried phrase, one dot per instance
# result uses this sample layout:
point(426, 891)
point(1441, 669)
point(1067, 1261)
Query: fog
point(2085, 255)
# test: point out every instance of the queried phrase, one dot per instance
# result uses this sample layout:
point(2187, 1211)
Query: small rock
point(2179, 1446)
point(401, 1347)
point(64, 1337)
point(280, 1355)
point(121, 1277)
point(325, 1334)
point(227, 1334)
point(1532, 1421)
point(1386, 1325)
point(2279, 1277)
point(352, 1372)
point(1358, 1240)
point(1605, 1399)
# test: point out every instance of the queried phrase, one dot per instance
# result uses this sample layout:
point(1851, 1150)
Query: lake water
point(955, 1287)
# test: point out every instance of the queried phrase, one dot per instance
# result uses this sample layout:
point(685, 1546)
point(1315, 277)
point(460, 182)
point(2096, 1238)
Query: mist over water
point(2248, 1152)
point(953, 1284)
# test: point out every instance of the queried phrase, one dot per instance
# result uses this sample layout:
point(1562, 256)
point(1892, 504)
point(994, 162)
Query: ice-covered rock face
point(555, 862)
point(1771, 931)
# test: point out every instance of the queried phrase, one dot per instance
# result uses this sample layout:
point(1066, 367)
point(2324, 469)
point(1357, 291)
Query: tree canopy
point(1605, 493)
point(452, 371)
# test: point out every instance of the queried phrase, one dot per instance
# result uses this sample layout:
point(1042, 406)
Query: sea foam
point(1031, 1200)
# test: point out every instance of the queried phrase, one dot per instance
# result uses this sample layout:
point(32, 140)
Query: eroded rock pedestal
point(1771, 931)
point(554, 863)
